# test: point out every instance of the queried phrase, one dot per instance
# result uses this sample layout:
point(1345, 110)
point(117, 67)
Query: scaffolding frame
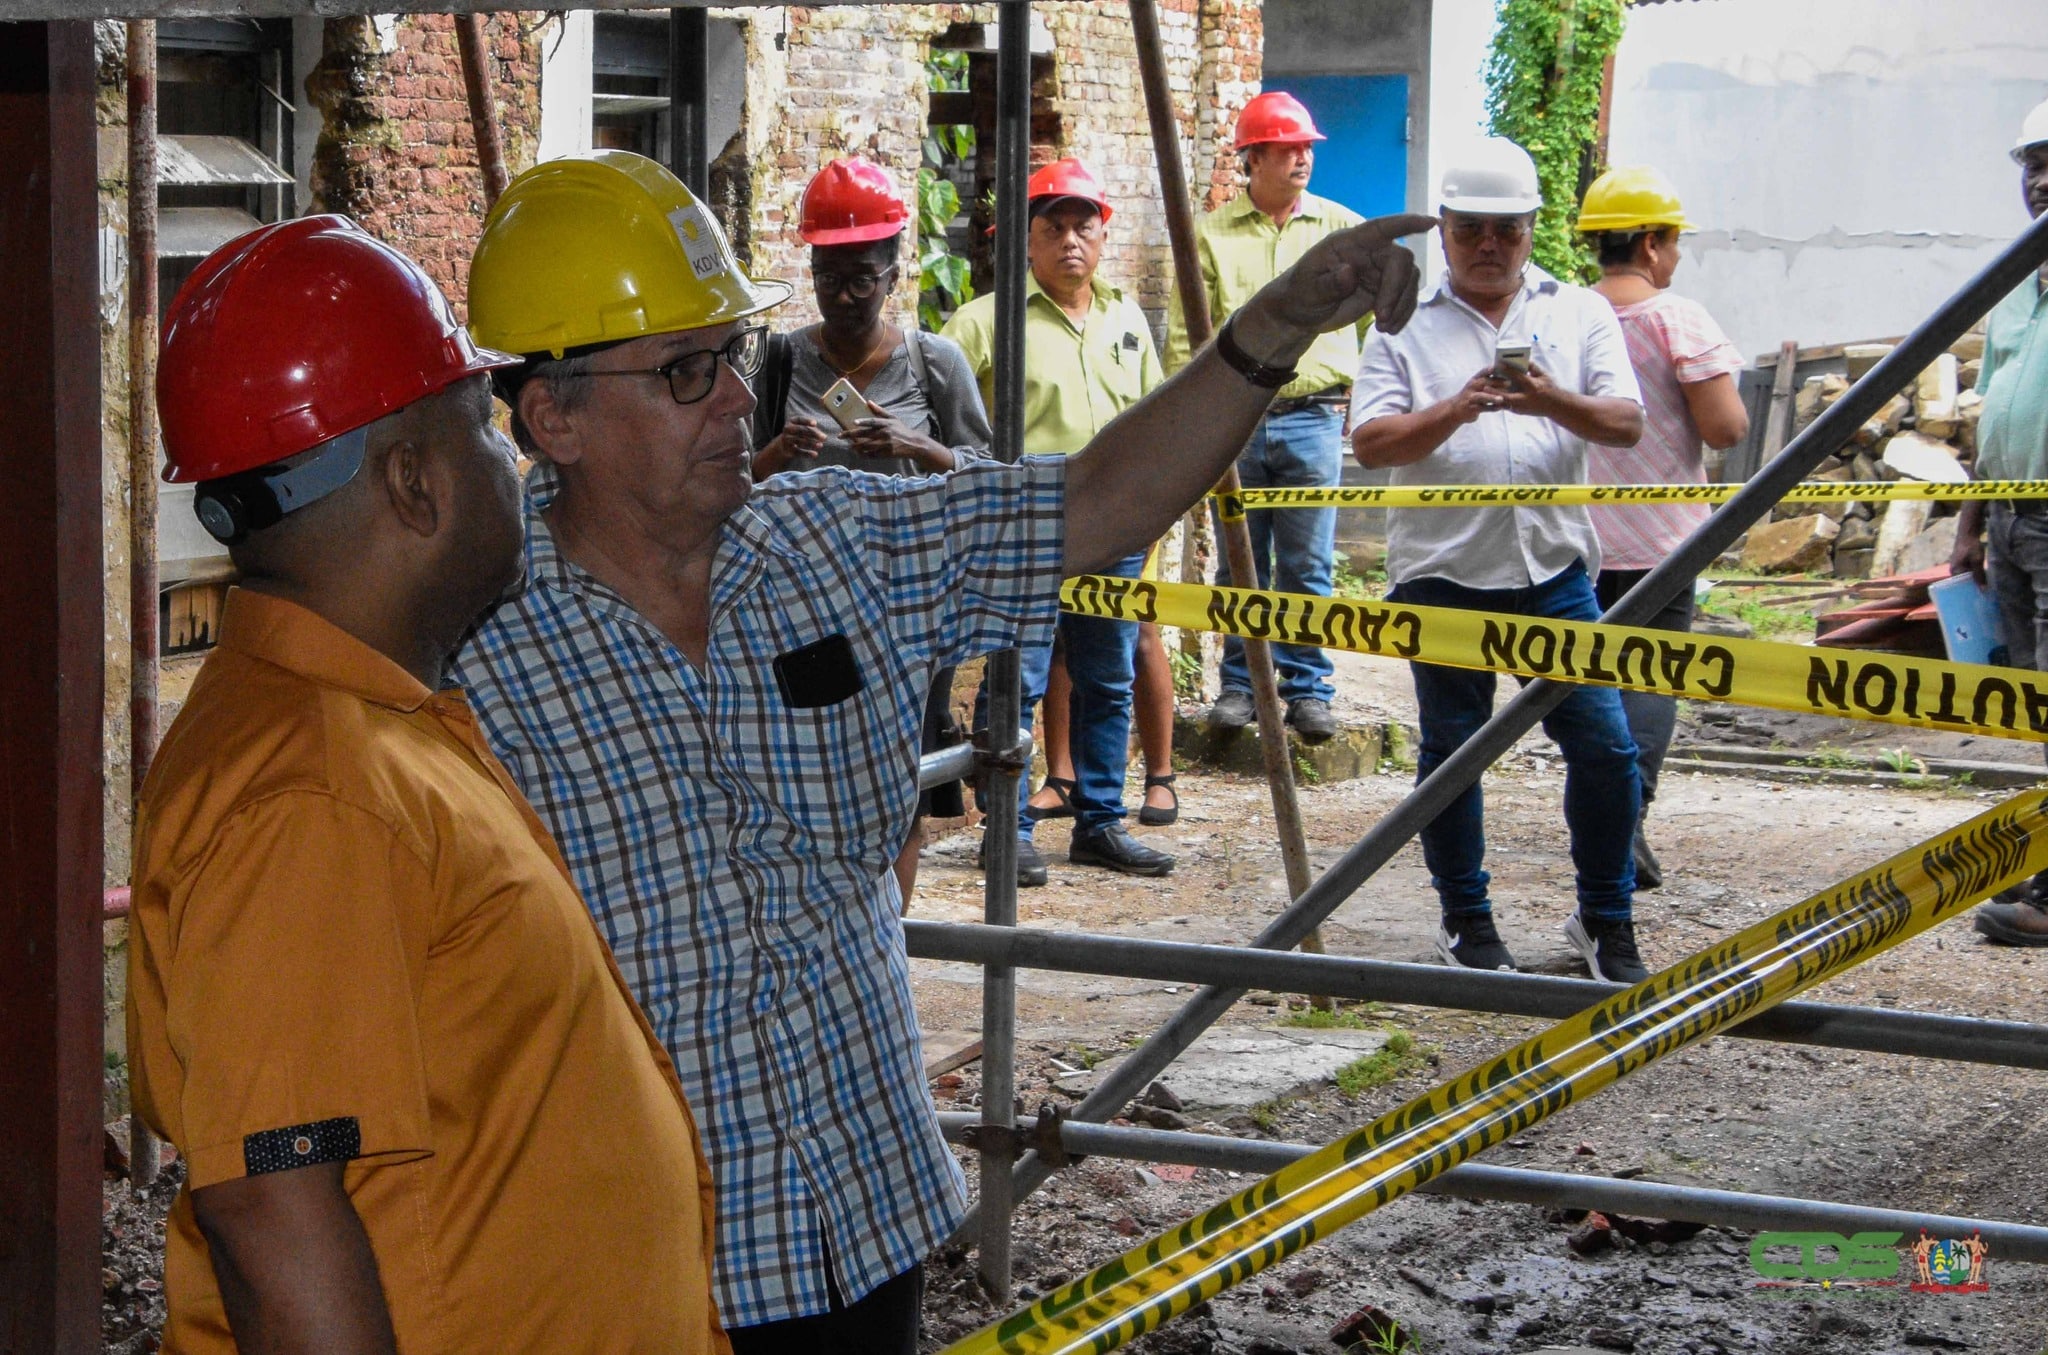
point(49, 1129)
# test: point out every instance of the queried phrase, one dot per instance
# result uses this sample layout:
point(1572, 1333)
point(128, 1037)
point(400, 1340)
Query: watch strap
point(1247, 366)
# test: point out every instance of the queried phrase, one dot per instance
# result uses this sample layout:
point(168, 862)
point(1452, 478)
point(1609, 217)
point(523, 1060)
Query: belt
point(1329, 395)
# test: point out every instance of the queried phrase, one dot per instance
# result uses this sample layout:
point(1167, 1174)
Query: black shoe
point(1649, 870)
point(1312, 718)
point(1473, 941)
point(1159, 818)
point(1608, 948)
point(1030, 865)
point(1116, 849)
point(1233, 710)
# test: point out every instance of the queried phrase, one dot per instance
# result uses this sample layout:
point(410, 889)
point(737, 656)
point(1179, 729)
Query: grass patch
point(1266, 1114)
point(1343, 1018)
point(1834, 759)
point(1397, 1057)
point(1790, 624)
point(1346, 582)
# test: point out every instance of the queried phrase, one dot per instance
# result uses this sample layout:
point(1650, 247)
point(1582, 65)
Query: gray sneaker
point(1233, 710)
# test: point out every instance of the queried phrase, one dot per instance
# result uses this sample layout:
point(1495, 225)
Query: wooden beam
point(51, 603)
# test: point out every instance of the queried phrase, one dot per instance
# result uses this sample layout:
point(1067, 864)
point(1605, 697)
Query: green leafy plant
point(1902, 761)
point(1543, 79)
point(1828, 756)
point(943, 281)
point(1187, 674)
point(1315, 1018)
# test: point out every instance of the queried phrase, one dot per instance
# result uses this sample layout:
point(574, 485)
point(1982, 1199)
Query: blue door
point(1364, 164)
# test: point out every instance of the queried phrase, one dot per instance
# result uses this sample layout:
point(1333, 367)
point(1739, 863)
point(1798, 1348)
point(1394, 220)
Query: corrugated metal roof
point(214, 161)
point(195, 232)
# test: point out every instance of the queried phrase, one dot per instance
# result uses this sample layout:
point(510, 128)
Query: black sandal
point(1159, 818)
point(1062, 787)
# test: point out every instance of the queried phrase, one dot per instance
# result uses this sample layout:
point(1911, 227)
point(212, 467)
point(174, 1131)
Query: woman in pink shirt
point(1686, 368)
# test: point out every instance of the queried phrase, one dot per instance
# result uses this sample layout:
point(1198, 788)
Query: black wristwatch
point(1247, 366)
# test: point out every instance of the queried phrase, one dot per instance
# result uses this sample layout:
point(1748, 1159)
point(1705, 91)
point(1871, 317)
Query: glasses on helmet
point(860, 286)
point(1470, 230)
point(691, 376)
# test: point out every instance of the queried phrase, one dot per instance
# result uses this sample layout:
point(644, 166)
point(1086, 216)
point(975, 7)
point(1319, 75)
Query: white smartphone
point(845, 404)
point(1509, 357)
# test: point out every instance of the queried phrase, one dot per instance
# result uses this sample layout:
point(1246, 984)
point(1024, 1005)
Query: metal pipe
point(689, 98)
point(144, 1159)
point(1964, 1039)
point(1465, 766)
point(999, 983)
point(1521, 1185)
point(1237, 538)
point(483, 112)
point(948, 764)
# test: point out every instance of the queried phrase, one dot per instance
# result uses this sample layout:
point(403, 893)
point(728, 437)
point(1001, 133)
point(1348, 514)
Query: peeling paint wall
point(1845, 159)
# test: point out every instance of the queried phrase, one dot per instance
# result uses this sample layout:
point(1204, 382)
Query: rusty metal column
point(52, 592)
point(483, 109)
point(999, 982)
point(143, 1158)
point(1237, 537)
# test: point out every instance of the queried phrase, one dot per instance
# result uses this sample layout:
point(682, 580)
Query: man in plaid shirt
point(712, 692)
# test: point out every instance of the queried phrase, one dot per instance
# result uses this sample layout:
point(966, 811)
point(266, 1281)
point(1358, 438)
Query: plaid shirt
point(736, 851)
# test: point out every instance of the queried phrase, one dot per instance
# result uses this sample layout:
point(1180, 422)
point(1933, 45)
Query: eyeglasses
point(691, 377)
point(860, 286)
point(1470, 230)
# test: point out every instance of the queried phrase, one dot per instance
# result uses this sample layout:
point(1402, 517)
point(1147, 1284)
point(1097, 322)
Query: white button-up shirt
point(1576, 341)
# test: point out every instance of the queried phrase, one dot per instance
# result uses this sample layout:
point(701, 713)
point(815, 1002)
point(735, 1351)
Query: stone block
point(1883, 424)
point(1932, 547)
point(1853, 564)
point(1902, 521)
point(1856, 534)
point(1864, 467)
point(1935, 392)
point(1354, 752)
point(1969, 348)
point(1861, 357)
point(1919, 457)
point(1815, 395)
point(1794, 546)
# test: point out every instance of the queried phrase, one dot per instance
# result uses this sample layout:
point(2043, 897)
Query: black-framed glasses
point(1470, 230)
point(691, 377)
point(860, 286)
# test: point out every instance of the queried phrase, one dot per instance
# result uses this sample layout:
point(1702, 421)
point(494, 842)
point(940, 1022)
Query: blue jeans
point(1101, 661)
point(1602, 794)
point(1291, 547)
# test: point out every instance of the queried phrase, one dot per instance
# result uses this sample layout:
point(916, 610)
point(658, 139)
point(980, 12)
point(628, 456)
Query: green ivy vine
point(1543, 80)
point(943, 284)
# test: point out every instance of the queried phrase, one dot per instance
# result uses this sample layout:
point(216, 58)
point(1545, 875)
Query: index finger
point(1385, 230)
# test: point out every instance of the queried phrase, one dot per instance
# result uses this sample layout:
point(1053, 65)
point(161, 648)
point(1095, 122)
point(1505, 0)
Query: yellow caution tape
point(1728, 983)
point(1531, 496)
point(1968, 698)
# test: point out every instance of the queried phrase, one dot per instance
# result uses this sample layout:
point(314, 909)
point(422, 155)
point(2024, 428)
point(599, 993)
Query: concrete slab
point(1354, 752)
point(1233, 1070)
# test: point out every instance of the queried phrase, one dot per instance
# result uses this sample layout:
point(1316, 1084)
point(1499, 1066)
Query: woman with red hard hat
point(914, 408)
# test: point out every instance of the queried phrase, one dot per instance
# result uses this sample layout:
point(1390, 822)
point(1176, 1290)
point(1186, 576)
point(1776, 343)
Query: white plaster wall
point(1845, 159)
point(565, 47)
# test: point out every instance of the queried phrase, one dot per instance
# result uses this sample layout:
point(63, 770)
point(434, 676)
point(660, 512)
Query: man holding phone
point(1504, 377)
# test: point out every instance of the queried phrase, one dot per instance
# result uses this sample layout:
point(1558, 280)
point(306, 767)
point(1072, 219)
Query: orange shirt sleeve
point(292, 993)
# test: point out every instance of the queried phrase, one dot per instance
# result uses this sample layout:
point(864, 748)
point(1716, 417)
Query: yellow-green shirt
point(1241, 250)
point(1077, 377)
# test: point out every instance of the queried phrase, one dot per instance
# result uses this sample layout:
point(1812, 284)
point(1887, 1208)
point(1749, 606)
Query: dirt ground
point(1463, 1277)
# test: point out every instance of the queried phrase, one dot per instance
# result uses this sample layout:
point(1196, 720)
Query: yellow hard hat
point(599, 249)
point(1631, 198)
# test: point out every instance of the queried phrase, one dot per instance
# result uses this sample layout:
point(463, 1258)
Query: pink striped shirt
point(1672, 342)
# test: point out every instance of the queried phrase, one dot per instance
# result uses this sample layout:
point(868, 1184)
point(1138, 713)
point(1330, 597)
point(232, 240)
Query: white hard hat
point(2033, 131)
point(1492, 177)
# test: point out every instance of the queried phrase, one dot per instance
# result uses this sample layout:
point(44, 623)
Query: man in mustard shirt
point(1088, 356)
point(1243, 245)
point(417, 1107)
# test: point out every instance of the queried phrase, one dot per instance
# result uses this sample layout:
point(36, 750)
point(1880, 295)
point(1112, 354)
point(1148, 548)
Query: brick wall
point(396, 151)
point(843, 81)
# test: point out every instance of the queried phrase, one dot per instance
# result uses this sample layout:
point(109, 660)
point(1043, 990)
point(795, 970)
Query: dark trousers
point(882, 1323)
point(2016, 569)
point(1650, 718)
point(1601, 792)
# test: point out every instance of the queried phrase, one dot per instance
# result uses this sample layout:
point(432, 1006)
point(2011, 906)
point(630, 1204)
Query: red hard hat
point(851, 201)
point(1276, 116)
point(1069, 178)
point(296, 333)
